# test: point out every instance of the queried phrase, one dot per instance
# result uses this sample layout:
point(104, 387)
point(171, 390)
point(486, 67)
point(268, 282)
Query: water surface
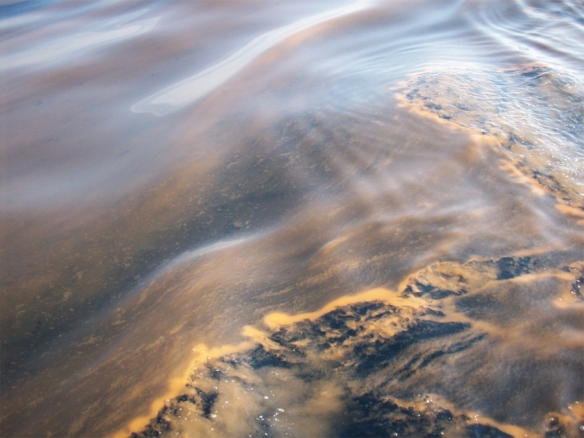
point(180, 176)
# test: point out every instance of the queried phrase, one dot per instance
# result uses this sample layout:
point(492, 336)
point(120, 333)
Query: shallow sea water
point(275, 218)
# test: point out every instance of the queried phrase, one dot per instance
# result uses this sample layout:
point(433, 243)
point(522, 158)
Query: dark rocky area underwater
point(440, 358)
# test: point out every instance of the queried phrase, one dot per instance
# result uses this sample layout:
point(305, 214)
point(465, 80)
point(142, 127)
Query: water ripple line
point(195, 87)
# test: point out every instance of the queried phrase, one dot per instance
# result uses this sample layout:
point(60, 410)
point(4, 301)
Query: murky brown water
point(297, 218)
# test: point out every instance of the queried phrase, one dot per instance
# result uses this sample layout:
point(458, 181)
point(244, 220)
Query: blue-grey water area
point(292, 218)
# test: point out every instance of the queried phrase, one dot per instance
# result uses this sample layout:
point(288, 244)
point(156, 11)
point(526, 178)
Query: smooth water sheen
point(370, 212)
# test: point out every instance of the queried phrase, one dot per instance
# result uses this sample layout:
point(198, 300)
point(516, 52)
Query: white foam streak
point(193, 255)
point(195, 87)
point(61, 50)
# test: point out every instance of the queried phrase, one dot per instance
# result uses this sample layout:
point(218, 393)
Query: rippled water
point(370, 213)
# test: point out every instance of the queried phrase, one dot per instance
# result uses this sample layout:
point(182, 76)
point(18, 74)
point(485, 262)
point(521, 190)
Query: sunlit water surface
point(179, 176)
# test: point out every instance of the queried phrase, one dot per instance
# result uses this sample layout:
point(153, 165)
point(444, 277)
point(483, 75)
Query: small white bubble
point(266, 397)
